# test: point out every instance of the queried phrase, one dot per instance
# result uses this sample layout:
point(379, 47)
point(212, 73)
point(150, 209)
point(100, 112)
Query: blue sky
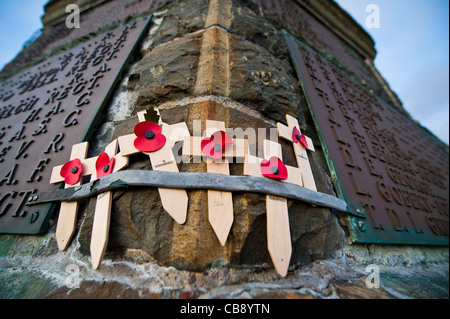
point(412, 44)
point(19, 19)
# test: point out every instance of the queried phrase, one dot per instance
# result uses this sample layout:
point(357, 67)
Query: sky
point(412, 43)
point(19, 20)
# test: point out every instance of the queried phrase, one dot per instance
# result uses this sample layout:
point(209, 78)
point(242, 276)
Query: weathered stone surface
point(167, 72)
point(214, 62)
point(358, 290)
point(181, 19)
point(135, 275)
point(234, 16)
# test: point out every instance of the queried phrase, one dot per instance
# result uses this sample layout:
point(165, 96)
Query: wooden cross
point(220, 204)
point(174, 201)
point(102, 214)
point(67, 218)
point(301, 155)
point(278, 232)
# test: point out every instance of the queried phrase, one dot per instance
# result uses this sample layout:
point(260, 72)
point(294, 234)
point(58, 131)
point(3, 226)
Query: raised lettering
point(54, 144)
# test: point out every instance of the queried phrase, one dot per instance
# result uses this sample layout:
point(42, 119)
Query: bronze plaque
point(47, 109)
point(392, 172)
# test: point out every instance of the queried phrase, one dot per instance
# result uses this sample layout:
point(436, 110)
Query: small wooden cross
point(286, 132)
point(220, 204)
point(102, 214)
point(174, 201)
point(278, 232)
point(67, 218)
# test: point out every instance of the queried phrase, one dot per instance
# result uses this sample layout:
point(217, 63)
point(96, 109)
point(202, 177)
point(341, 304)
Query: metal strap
point(151, 178)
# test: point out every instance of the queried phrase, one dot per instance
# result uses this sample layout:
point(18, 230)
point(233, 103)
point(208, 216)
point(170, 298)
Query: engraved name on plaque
point(392, 172)
point(47, 109)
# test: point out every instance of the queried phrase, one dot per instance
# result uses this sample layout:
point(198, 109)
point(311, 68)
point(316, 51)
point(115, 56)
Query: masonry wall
point(219, 60)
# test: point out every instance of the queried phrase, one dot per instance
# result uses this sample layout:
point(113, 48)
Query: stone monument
point(346, 178)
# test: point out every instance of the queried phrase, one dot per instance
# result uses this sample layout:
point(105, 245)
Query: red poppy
point(215, 145)
point(71, 171)
point(104, 165)
point(274, 168)
point(297, 137)
point(149, 137)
